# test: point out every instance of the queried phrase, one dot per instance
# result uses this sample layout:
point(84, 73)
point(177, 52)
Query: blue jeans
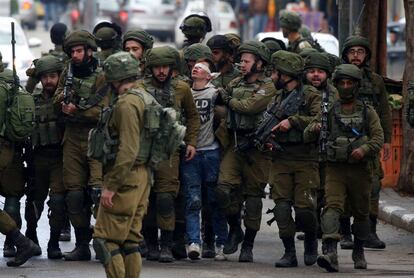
point(202, 172)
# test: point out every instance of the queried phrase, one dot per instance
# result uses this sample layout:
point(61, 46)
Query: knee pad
point(75, 202)
point(305, 220)
point(283, 212)
point(330, 221)
point(165, 204)
point(12, 207)
point(223, 196)
point(194, 204)
point(102, 252)
point(254, 206)
point(56, 204)
point(361, 229)
point(130, 248)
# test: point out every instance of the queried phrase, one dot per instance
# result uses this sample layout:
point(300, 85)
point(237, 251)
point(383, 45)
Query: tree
point(406, 181)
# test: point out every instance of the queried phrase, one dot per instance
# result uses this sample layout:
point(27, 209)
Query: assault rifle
point(273, 116)
point(68, 85)
point(323, 135)
point(13, 43)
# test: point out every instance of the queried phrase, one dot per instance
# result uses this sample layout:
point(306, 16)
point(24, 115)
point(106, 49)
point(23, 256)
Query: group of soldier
point(321, 156)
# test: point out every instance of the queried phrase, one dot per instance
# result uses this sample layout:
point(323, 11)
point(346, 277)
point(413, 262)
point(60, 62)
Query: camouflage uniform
point(292, 22)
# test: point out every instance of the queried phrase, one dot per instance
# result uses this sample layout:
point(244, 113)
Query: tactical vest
point(347, 132)
point(158, 141)
point(243, 122)
point(46, 131)
point(369, 93)
point(85, 90)
point(293, 135)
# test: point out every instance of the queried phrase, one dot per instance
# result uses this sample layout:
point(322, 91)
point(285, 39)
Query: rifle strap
point(98, 97)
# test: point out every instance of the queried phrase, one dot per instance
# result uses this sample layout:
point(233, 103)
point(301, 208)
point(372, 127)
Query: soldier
point(355, 135)
point(193, 54)
point(244, 173)
point(294, 175)
point(12, 180)
point(138, 42)
point(81, 102)
point(162, 214)
point(57, 35)
point(126, 188)
point(195, 27)
point(274, 44)
point(290, 22)
point(356, 51)
point(46, 158)
point(222, 57)
point(108, 38)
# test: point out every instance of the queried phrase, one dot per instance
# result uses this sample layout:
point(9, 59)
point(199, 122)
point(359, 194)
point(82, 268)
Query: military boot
point(178, 249)
point(346, 236)
point(373, 240)
point(289, 257)
point(65, 233)
point(8, 249)
point(329, 258)
point(81, 251)
point(358, 254)
point(246, 252)
point(235, 236)
point(311, 249)
point(32, 235)
point(166, 244)
point(25, 248)
point(151, 241)
point(53, 250)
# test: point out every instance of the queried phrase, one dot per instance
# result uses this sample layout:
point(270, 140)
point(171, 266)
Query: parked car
point(28, 14)
point(396, 49)
point(327, 41)
point(113, 11)
point(24, 56)
point(157, 17)
point(223, 22)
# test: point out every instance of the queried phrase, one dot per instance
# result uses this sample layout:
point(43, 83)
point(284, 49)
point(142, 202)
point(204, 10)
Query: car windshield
point(5, 35)
point(395, 35)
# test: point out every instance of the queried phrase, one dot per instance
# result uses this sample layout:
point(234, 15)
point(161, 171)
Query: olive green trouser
point(242, 178)
point(350, 183)
point(294, 183)
point(80, 173)
point(47, 164)
point(120, 226)
point(7, 224)
point(166, 188)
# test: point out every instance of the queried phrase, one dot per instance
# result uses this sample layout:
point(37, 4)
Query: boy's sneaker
point(220, 256)
point(194, 251)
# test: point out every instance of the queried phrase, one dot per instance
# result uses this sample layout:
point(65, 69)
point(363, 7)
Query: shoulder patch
point(304, 44)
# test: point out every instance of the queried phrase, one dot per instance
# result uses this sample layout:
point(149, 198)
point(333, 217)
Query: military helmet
point(305, 52)
point(219, 42)
point(274, 44)
point(48, 64)
point(105, 34)
point(288, 63)
point(58, 33)
point(318, 60)
point(196, 25)
point(333, 60)
point(139, 35)
point(107, 24)
point(257, 48)
point(198, 51)
point(7, 76)
point(305, 32)
point(120, 66)
point(290, 20)
point(162, 56)
point(234, 40)
point(1, 63)
point(81, 37)
point(356, 40)
point(347, 71)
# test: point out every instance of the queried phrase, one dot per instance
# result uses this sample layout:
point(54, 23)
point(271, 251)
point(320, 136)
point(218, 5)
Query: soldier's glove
point(224, 96)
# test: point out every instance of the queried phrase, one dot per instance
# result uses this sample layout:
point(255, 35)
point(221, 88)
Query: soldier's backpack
point(19, 118)
point(160, 139)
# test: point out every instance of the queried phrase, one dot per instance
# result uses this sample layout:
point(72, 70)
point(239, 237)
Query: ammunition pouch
point(340, 149)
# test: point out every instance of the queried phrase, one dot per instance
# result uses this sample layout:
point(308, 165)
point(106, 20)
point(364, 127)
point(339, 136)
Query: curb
point(396, 215)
